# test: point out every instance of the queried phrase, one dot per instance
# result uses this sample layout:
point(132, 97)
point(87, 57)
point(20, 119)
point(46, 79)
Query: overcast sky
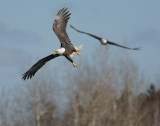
point(26, 32)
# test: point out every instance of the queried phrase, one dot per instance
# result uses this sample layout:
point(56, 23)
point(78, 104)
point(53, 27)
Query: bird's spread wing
point(86, 33)
point(112, 43)
point(31, 72)
point(59, 26)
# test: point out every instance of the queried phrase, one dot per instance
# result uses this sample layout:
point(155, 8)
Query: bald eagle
point(66, 49)
point(102, 40)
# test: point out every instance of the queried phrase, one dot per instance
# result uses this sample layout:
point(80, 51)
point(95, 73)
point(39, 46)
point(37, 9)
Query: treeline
point(101, 93)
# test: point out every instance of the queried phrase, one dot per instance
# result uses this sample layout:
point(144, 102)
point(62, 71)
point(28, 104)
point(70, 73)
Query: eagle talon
point(74, 65)
point(78, 53)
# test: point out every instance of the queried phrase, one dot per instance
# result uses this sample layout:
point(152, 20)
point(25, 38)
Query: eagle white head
point(59, 51)
point(103, 41)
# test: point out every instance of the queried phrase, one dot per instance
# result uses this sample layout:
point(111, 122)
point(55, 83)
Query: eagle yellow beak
point(74, 65)
point(54, 53)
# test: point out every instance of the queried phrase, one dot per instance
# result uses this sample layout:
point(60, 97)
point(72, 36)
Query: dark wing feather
point(86, 33)
point(59, 27)
point(112, 43)
point(31, 72)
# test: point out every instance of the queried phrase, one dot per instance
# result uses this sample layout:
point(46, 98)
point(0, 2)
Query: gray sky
point(26, 32)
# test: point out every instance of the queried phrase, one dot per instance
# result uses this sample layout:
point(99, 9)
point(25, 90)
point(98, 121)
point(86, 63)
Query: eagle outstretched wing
point(59, 27)
point(31, 72)
point(112, 43)
point(86, 33)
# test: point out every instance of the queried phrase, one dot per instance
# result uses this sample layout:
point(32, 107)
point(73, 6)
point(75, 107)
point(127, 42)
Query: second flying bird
point(102, 40)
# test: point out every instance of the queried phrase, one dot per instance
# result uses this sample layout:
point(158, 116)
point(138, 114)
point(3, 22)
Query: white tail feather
point(78, 49)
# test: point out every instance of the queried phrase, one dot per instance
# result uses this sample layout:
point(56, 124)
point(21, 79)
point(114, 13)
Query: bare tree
point(104, 90)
